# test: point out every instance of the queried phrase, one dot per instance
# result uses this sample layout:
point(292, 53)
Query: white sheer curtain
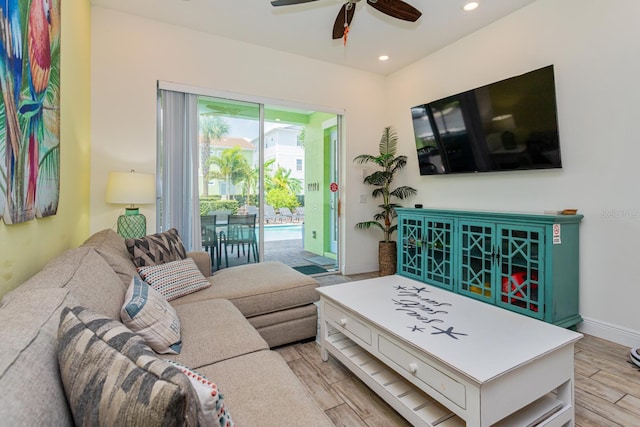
point(178, 205)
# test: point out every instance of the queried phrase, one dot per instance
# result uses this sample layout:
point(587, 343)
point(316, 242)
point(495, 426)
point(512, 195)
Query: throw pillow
point(211, 401)
point(174, 279)
point(157, 248)
point(150, 315)
point(111, 377)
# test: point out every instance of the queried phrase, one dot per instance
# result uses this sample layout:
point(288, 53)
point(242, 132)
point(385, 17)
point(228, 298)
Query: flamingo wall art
point(29, 109)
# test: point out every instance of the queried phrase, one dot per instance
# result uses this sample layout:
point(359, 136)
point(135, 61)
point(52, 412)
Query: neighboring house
point(284, 145)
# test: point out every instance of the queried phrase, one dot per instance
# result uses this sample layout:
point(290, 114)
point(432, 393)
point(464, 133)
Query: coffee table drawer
point(423, 371)
point(347, 322)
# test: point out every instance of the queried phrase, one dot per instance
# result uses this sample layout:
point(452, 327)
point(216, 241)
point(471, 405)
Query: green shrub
point(213, 203)
point(280, 197)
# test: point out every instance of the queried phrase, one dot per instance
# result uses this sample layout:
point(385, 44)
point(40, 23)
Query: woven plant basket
point(387, 258)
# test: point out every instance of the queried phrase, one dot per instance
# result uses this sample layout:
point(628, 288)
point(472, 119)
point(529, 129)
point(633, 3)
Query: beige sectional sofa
point(227, 331)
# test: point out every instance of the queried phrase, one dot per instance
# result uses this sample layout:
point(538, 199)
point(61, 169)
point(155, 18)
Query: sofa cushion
point(174, 279)
point(202, 260)
point(261, 390)
point(260, 288)
point(111, 246)
point(86, 275)
point(28, 364)
point(156, 248)
point(214, 330)
point(211, 400)
point(112, 378)
point(149, 314)
point(287, 326)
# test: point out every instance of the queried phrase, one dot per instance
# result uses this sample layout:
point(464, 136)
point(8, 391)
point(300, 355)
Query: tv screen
point(508, 125)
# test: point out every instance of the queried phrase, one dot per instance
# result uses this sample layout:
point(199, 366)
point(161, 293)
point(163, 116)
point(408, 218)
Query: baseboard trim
point(609, 332)
point(359, 268)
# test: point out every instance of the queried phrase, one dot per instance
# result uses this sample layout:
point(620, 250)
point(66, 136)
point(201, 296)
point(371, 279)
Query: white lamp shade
point(504, 122)
point(131, 188)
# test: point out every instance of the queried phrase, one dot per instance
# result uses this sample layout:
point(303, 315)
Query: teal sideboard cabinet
point(527, 263)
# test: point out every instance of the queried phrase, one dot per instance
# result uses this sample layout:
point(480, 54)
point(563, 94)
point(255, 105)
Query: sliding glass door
point(279, 164)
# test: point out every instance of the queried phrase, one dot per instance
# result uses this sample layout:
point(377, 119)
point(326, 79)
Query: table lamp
point(131, 188)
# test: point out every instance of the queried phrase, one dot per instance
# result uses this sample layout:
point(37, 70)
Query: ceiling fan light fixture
point(395, 8)
point(469, 6)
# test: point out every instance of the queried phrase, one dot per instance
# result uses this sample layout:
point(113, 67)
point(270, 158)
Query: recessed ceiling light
point(383, 57)
point(472, 5)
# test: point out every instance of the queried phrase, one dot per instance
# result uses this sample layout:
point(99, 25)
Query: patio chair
point(285, 213)
point(298, 215)
point(269, 213)
point(210, 241)
point(221, 216)
point(241, 231)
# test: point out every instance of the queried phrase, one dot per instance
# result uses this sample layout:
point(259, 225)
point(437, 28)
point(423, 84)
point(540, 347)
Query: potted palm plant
point(385, 219)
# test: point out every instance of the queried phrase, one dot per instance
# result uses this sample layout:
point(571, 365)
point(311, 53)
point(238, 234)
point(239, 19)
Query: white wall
point(129, 56)
point(594, 47)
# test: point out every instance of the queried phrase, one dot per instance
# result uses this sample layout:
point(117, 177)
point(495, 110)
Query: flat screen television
point(508, 125)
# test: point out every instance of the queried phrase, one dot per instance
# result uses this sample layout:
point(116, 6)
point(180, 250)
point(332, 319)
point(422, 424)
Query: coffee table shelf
point(413, 404)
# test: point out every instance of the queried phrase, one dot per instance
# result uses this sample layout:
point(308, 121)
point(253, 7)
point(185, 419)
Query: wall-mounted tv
point(508, 125)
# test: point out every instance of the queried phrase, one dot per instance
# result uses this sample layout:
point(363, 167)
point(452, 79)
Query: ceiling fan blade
point(338, 26)
point(289, 2)
point(397, 9)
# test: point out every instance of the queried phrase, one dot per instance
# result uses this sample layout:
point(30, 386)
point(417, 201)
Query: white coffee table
point(444, 359)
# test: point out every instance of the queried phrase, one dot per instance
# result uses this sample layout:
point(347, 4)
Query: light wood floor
point(607, 386)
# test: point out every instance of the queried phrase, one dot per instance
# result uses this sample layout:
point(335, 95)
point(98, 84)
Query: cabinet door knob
point(343, 322)
point(413, 368)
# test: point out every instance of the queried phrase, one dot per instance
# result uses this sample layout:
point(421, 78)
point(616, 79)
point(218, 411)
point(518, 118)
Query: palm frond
point(380, 216)
point(398, 163)
point(369, 224)
point(380, 191)
point(388, 142)
point(364, 158)
point(49, 182)
point(377, 178)
point(403, 192)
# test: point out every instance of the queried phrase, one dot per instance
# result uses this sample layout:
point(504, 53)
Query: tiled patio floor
point(290, 252)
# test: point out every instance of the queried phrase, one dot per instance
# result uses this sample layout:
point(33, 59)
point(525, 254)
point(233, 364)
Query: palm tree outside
point(282, 189)
point(230, 166)
point(282, 179)
point(211, 128)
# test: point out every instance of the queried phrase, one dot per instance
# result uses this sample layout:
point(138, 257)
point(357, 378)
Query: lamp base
point(132, 225)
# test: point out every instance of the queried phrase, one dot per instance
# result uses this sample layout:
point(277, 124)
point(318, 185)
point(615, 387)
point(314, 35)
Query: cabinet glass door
point(520, 266)
point(476, 270)
point(438, 262)
point(410, 249)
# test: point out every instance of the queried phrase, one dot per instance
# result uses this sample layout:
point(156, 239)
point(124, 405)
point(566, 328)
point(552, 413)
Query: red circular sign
point(333, 187)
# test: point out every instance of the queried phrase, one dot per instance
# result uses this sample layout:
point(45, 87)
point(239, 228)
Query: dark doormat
point(310, 269)
point(321, 260)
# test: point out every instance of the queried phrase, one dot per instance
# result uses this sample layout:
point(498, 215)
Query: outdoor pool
point(282, 232)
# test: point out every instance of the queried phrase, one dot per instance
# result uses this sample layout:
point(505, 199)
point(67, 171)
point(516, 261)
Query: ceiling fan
point(394, 8)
